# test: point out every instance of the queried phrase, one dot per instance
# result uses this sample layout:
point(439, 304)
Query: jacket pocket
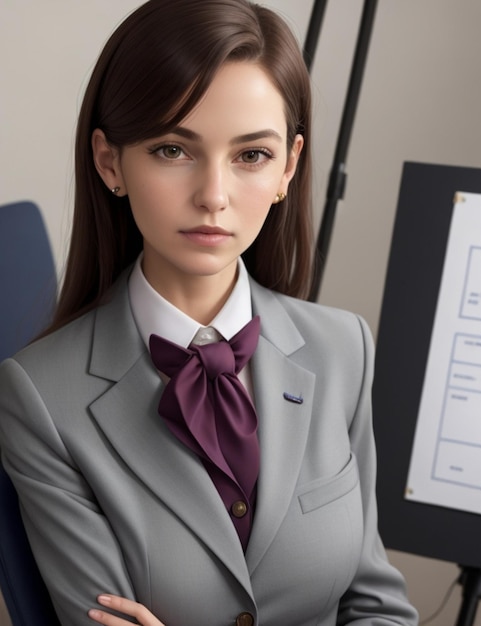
point(329, 489)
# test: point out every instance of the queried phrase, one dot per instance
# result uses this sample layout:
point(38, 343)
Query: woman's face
point(200, 194)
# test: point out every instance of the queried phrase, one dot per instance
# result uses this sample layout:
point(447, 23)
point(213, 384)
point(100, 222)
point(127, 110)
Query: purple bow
point(207, 408)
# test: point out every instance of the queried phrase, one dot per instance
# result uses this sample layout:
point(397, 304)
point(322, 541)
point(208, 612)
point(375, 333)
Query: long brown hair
point(151, 73)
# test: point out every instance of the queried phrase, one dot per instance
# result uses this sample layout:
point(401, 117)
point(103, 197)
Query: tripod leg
point(470, 580)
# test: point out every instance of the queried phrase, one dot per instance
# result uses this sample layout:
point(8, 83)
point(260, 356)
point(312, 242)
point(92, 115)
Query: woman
point(192, 212)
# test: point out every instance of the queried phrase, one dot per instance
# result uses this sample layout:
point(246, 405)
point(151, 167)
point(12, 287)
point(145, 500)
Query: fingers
point(122, 605)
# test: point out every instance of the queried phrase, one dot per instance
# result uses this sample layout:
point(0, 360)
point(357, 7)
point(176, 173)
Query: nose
point(211, 193)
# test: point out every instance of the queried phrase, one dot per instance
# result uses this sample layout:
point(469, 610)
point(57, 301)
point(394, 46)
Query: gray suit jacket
point(112, 502)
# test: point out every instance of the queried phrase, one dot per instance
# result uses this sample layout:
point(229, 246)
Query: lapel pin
point(290, 398)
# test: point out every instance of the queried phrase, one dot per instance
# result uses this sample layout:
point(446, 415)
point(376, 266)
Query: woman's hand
point(133, 609)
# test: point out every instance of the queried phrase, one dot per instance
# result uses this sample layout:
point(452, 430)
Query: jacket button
point(244, 619)
point(239, 509)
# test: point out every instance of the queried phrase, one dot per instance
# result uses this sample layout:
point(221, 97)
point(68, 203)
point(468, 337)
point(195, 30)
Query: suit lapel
point(283, 423)
point(127, 414)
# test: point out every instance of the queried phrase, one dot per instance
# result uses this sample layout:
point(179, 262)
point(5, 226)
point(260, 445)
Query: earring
point(115, 190)
point(279, 197)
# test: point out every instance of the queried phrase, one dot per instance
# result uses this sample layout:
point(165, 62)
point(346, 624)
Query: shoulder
point(318, 324)
point(72, 344)
point(333, 343)
point(54, 356)
point(340, 336)
point(312, 314)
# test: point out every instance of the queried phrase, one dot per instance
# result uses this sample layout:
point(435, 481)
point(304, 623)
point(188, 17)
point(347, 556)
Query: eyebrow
point(260, 134)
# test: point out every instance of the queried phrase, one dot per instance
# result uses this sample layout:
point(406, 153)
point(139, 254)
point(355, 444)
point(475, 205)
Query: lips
point(207, 230)
point(205, 235)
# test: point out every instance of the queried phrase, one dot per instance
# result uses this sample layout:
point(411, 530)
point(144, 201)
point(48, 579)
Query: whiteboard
point(445, 464)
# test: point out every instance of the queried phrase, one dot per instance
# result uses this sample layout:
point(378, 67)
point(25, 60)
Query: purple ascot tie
point(207, 408)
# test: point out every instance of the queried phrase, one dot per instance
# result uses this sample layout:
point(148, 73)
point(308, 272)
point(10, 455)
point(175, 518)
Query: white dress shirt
point(153, 314)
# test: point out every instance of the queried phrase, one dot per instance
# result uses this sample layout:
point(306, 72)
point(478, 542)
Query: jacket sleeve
point(377, 594)
point(66, 528)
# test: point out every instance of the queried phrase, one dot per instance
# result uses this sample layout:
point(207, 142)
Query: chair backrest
point(28, 282)
point(27, 287)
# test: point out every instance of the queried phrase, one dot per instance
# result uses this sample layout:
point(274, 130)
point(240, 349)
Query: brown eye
point(251, 156)
point(171, 152)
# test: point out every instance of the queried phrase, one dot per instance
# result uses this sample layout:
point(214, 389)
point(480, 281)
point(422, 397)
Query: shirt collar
point(154, 314)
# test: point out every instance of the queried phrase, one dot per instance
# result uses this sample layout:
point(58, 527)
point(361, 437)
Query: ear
point(292, 161)
point(107, 161)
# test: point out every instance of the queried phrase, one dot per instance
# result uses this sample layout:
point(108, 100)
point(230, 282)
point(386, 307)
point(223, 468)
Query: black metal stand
point(470, 579)
point(338, 176)
point(313, 30)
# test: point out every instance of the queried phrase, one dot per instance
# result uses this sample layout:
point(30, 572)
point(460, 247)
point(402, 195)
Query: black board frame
point(415, 265)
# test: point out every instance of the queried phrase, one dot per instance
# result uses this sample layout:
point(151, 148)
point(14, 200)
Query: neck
point(199, 297)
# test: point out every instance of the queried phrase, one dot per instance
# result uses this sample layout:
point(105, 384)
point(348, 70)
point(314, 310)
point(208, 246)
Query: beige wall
point(420, 101)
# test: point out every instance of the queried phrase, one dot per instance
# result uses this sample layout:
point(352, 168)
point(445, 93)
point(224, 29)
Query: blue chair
point(27, 276)
point(28, 285)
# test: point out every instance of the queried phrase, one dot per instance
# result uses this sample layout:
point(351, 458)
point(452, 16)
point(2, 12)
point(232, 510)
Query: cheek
point(259, 194)
point(152, 199)
point(149, 212)
point(257, 203)
point(254, 218)
point(145, 181)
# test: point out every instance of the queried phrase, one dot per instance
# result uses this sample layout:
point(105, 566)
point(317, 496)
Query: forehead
point(241, 96)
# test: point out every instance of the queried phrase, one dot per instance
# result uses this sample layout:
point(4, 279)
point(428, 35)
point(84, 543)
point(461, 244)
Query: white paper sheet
point(445, 465)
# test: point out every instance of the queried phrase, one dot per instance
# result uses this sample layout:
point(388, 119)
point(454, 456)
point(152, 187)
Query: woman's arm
point(378, 589)
point(73, 542)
